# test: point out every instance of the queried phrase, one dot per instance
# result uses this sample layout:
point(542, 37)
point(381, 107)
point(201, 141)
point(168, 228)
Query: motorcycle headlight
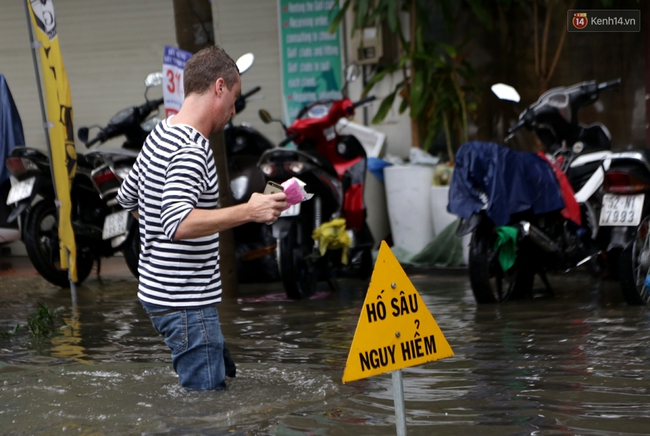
point(238, 187)
point(296, 167)
point(268, 169)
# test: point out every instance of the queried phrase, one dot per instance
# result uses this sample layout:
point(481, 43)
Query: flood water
point(577, 363)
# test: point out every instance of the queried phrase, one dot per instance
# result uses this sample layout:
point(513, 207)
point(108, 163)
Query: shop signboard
point(311, 56)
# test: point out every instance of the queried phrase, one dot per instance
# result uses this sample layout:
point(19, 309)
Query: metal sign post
point(398, 396)
point(59, 109)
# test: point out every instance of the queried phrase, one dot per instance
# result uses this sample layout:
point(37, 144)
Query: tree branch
point(547, 25)
point(535, 38)
point(558, 50)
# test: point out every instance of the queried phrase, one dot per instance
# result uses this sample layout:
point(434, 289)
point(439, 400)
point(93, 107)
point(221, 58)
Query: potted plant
point(438, 87)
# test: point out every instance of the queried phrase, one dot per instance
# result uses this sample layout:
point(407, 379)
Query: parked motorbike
point(111, 167)
point(11, 136)
point(546, 236)
point(254, 242)
point(333, 167)
point(626, 210)
point(100, 226)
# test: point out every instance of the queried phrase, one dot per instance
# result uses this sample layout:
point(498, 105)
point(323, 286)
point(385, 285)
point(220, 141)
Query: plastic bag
point(295, 190)
point(421, 157)
point(331, 236)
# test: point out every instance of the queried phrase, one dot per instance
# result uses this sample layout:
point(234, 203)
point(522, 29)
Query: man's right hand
point(266, 208)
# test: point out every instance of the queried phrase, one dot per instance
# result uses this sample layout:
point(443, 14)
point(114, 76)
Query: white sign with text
point(173, 64)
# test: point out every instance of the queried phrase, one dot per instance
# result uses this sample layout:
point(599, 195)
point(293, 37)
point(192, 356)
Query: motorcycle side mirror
point(153, 79)
point(82, 134)
point(244, 62)
point(505, 92)
point(351, 73)
point(265, 116)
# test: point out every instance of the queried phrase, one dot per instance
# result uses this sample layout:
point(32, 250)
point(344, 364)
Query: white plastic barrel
point(439, 200)
point(408, 198)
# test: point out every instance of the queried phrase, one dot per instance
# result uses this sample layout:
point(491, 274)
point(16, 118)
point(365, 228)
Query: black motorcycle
point(512, 199)
point(100, 225)
point(254, 242)
point(626, 211)
point(333, 167)
point(11, 136)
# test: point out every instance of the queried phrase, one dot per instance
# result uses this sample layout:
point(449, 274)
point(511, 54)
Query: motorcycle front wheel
point(293, 252)
point(634, 266)
point(41, 238)
point(490, 284)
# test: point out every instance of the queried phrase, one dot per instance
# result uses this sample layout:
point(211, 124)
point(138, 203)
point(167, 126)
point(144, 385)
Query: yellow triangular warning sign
point(395, 328)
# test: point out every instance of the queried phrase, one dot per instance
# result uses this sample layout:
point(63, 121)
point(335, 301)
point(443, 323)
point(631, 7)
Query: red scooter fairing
point(333, 169)
point(345, 153)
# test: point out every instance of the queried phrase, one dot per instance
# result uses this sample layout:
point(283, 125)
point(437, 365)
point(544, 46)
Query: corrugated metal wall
point(243, 26)
point(108, 48)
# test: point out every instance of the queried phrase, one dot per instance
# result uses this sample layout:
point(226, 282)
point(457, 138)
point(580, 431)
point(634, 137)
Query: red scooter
point(333, 168)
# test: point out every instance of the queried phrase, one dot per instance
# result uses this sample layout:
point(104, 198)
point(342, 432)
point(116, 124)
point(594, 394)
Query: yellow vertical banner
point(59, 114)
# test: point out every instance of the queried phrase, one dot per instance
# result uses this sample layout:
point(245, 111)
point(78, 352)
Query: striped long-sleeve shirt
point(174, 173)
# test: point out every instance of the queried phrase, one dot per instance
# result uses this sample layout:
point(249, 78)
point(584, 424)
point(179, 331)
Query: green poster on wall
point(311, 56)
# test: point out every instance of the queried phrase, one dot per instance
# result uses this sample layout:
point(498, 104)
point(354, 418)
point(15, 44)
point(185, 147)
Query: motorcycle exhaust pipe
point(538, 237)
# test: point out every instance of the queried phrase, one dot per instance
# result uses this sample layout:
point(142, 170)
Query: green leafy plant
point(439, 85)
point(43, 324)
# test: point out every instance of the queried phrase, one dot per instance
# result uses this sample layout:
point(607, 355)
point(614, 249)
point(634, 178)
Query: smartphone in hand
point(273, 188)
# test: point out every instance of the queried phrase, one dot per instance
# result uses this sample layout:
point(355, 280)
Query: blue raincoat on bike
point(513, 182)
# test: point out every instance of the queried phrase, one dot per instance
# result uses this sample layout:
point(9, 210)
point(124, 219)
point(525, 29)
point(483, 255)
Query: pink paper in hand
point(295, 190)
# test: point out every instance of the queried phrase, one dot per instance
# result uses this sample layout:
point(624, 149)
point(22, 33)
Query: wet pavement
point(574, 363)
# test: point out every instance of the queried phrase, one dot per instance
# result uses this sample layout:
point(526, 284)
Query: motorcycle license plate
point(621, 210)
point(21, 190)
point(115, 224)
point(292, 211)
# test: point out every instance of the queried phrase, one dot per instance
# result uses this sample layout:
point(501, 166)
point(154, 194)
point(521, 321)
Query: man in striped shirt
point(173, 191)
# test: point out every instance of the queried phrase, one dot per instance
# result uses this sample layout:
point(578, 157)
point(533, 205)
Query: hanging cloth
point(331, 236)
point(571, 209)
point(506, 245)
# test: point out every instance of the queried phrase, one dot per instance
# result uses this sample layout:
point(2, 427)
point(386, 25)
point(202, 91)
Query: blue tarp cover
point(513, 181)
point(11, 128)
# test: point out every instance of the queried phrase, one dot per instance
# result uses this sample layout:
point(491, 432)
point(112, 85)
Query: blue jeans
point(196, 342)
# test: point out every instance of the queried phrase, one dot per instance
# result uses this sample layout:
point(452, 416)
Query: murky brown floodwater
point(575, 364)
